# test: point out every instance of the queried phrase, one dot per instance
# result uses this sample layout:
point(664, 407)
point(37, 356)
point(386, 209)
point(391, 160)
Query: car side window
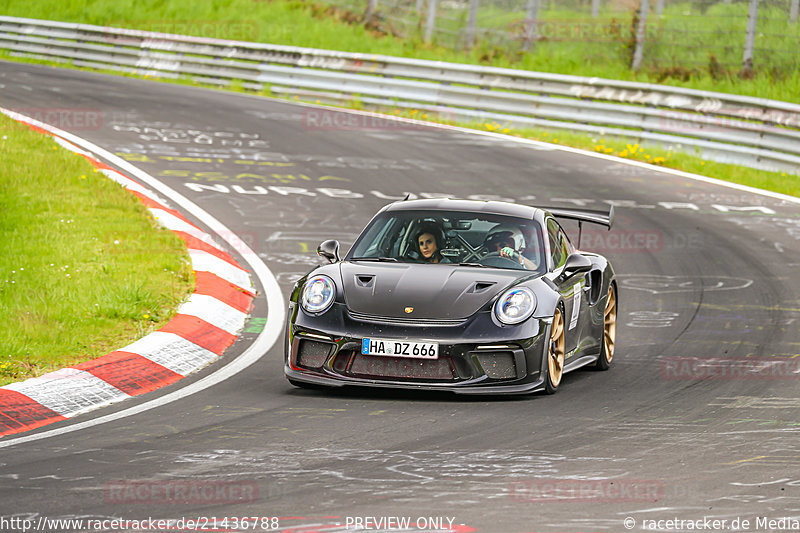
point(556, 238)
point(566, 246)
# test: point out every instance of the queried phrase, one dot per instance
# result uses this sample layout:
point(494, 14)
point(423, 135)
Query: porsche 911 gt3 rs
point(455, 295)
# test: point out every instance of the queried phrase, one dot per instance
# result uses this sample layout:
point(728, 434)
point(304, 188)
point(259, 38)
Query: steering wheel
point(495, 259)
point(411, 256)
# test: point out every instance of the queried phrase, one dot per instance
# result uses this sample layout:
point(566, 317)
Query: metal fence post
point(372, 5)
point(595, 8)
point(793, 9)
point(641, 30)
point(750, 38)
point(531, 16)
point(430, 24)
point(472, 23)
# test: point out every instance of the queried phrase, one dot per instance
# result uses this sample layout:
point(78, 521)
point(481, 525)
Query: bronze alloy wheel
point(555, 353)
point(610, 323)
point(609, 329)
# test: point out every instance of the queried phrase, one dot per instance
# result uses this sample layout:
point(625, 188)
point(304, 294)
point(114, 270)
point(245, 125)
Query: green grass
point(688, 35)
point(772, 181)
point(313, 23)
point(84, 269)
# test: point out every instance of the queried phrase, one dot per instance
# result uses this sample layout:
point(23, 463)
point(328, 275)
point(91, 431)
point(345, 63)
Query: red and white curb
point(203, 327)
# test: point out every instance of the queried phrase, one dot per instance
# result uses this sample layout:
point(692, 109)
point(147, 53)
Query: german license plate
point(396, 348)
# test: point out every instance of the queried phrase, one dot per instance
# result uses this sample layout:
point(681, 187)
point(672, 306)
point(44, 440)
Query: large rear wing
point(584, 215)
point(604, 218)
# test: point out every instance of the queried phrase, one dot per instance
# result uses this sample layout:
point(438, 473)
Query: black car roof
point(475, 206)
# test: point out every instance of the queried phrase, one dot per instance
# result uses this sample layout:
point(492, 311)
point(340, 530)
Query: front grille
point(397, 367)
point(498, 365)
point(312, 354)
point(414, 322)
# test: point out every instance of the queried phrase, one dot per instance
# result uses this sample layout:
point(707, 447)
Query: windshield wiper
point(473, 265)
point(379, 259)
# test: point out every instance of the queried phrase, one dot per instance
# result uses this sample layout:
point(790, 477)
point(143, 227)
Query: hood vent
point(480, 286)
point(365, 280)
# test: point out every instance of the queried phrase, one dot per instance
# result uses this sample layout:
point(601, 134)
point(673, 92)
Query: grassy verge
point(313, 23)
point(83, 267)
point(772, 181)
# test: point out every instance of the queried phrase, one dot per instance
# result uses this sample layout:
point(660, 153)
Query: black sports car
point(455, 295)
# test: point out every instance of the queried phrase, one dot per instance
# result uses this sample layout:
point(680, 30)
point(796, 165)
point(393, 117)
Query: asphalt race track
point(706, 273)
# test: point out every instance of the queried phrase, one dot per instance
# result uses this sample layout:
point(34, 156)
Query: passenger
point(429, 240)
point(508, 241)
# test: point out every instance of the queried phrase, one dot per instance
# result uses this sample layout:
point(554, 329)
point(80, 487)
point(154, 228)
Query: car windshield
point(452, 237)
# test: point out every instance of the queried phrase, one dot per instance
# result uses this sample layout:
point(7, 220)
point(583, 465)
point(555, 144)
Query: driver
point(429, 239)
point(508, 241)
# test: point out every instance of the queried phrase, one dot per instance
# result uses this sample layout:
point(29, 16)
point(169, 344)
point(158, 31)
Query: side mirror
point(576, 263)
point(329, 250)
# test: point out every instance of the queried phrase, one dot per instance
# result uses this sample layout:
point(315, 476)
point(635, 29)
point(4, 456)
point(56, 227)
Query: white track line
point(131, 185)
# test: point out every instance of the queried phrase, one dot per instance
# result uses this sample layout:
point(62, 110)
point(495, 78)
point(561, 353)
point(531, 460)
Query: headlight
point(318, 294)
point(515, 305)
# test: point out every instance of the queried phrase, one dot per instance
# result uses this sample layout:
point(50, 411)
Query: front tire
point(609, 330)
point(555, 353)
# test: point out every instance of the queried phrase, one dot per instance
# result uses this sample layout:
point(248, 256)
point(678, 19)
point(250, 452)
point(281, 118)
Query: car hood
point(433, 291)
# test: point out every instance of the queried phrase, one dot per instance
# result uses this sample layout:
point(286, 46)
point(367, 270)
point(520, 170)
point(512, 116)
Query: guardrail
point(753, 132)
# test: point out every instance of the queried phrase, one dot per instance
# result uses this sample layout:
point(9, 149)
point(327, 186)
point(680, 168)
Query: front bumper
point(476, 356)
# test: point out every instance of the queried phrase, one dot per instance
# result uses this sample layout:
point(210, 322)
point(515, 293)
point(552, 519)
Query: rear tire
point(609, 330)
point(555, 353)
